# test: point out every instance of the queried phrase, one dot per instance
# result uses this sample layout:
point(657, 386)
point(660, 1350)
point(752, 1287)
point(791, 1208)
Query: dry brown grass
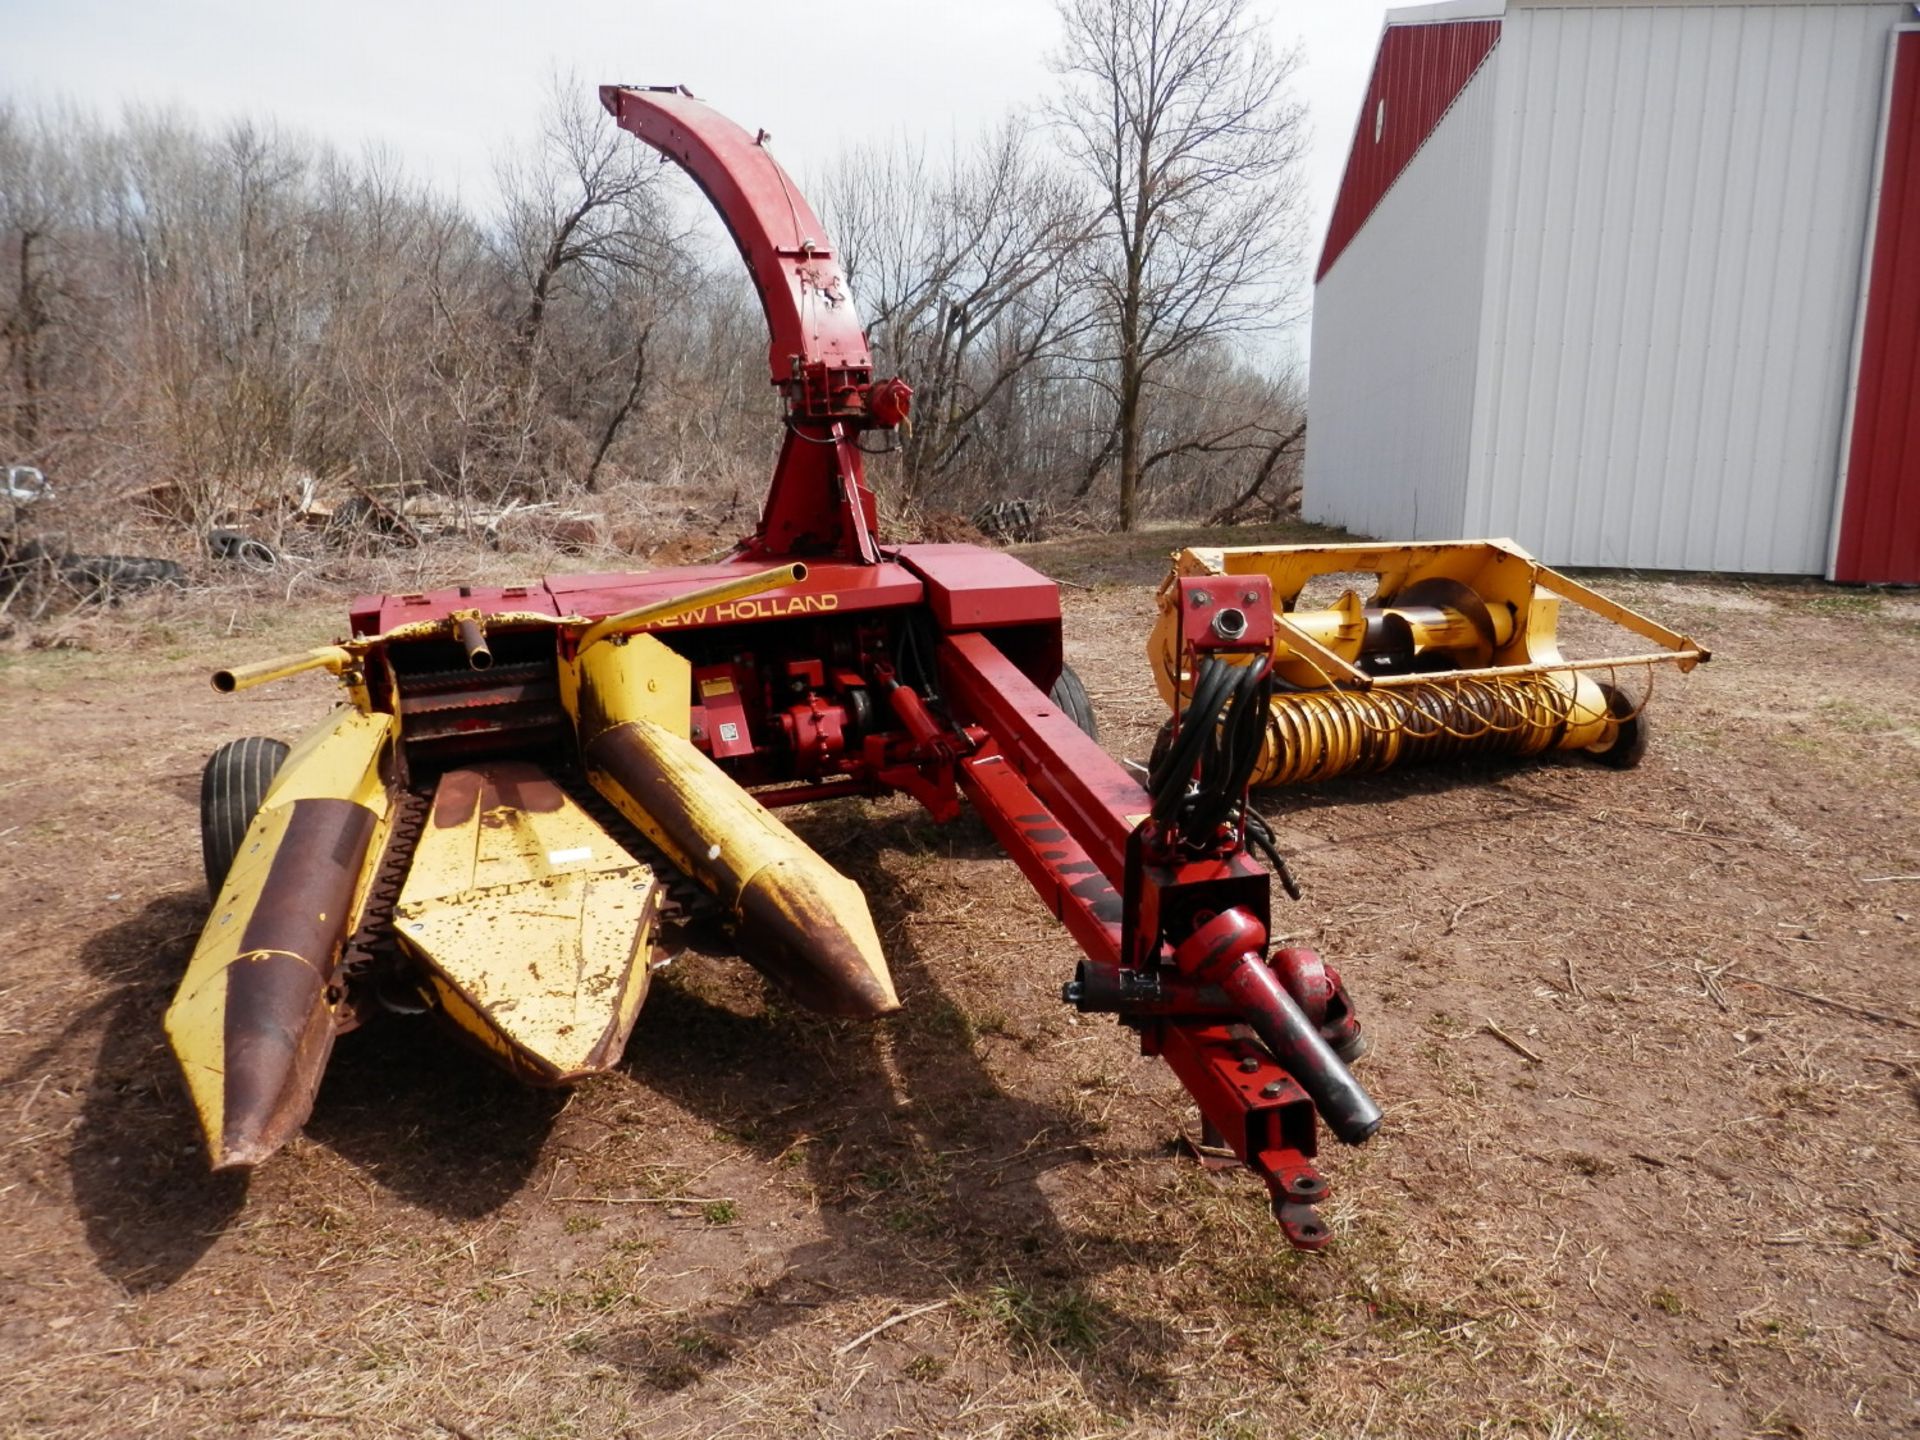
point(1695, 1216)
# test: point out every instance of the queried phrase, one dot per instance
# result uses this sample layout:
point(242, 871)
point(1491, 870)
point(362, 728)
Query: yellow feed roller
point(1455, 652)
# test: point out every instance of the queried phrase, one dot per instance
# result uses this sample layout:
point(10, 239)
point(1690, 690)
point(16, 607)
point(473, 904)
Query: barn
point(1635, 284)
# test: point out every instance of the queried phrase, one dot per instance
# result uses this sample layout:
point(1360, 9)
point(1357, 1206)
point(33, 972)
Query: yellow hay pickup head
point(1455, 651)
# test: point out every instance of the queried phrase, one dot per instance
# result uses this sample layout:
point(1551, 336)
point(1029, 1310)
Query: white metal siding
point(1395, 321)
point(1679, 196)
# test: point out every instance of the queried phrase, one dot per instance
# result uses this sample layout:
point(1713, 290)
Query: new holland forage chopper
point(525, 782)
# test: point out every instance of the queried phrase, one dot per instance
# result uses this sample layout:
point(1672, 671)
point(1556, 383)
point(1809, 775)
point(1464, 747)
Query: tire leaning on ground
point(239, 548)
point(232, 788)
point(1071, 696)
point(1630, 739)
point(108, 577)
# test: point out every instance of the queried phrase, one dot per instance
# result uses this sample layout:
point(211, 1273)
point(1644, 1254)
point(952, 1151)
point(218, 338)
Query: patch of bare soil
point(1694, 1214)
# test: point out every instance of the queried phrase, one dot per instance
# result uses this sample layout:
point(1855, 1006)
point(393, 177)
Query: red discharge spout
point(817, 354)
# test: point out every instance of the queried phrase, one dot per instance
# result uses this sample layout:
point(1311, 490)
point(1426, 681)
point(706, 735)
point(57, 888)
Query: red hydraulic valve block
point(1231, 613)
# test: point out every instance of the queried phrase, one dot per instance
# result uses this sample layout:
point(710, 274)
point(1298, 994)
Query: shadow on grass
point(430, 1120)
point(1359, 797)
point(925, 1171)
point(426, 1119)
point(141, 1185)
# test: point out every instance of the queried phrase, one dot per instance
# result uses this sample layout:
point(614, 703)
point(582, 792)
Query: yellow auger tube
point(797, 919)
point(252, 1021)
point(331, 658)
point(659, 610)
point(1455, 653)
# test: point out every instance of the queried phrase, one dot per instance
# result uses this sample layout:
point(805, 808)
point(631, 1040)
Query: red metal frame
point(1072, 820)
point(1174, 927)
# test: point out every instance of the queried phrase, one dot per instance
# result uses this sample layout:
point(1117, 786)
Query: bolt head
point(1248, 1065)
point(1271, 1090)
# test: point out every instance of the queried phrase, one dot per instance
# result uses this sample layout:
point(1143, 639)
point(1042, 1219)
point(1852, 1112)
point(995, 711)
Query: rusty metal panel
point(253, 1021)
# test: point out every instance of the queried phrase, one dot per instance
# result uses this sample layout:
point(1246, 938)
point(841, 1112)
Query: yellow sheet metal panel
point(196, 1020)
point(535, 922)
point(342, 758)
point(633, 677)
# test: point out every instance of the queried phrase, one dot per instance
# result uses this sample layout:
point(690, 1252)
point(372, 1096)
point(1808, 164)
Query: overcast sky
point(447, 84)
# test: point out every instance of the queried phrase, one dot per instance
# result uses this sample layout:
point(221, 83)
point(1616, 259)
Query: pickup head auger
point(527, 781)
point(1456, 652)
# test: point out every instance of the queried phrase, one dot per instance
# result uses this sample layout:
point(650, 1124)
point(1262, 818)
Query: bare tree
point(582, 221)
point(219, 322)
point(1177, 113)
point(1283, 447)
point(38, 212)
point(963, 276)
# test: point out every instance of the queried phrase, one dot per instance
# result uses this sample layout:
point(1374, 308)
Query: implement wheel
point(232, 788)
point(1071, 696)
point(1630, 735)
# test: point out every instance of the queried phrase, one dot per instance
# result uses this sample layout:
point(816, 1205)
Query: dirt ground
point(1695, 1214)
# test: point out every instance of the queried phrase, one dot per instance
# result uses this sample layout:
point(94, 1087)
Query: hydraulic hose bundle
point(1223, 730)
point(1211, 963)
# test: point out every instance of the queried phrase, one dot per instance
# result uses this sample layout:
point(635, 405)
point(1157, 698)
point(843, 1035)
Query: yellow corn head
point(516, 911)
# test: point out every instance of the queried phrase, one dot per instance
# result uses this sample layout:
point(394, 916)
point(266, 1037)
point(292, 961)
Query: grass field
point(1695, 1214)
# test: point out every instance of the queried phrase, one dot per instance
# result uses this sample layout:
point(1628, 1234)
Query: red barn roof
point(1419, 70)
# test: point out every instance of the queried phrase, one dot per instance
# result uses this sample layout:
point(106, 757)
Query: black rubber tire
point(1071, 696)
point(232, 788)
point(1629, 745)
point(256, 555)
point(108, 577)
point(239, 548)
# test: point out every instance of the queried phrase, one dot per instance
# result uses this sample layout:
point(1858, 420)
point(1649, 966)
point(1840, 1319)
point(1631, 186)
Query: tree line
point(1082, 298)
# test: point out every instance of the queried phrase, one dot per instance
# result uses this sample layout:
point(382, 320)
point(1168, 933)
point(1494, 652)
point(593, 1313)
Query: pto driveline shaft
point(1226, 951)
point(1283, 1027)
